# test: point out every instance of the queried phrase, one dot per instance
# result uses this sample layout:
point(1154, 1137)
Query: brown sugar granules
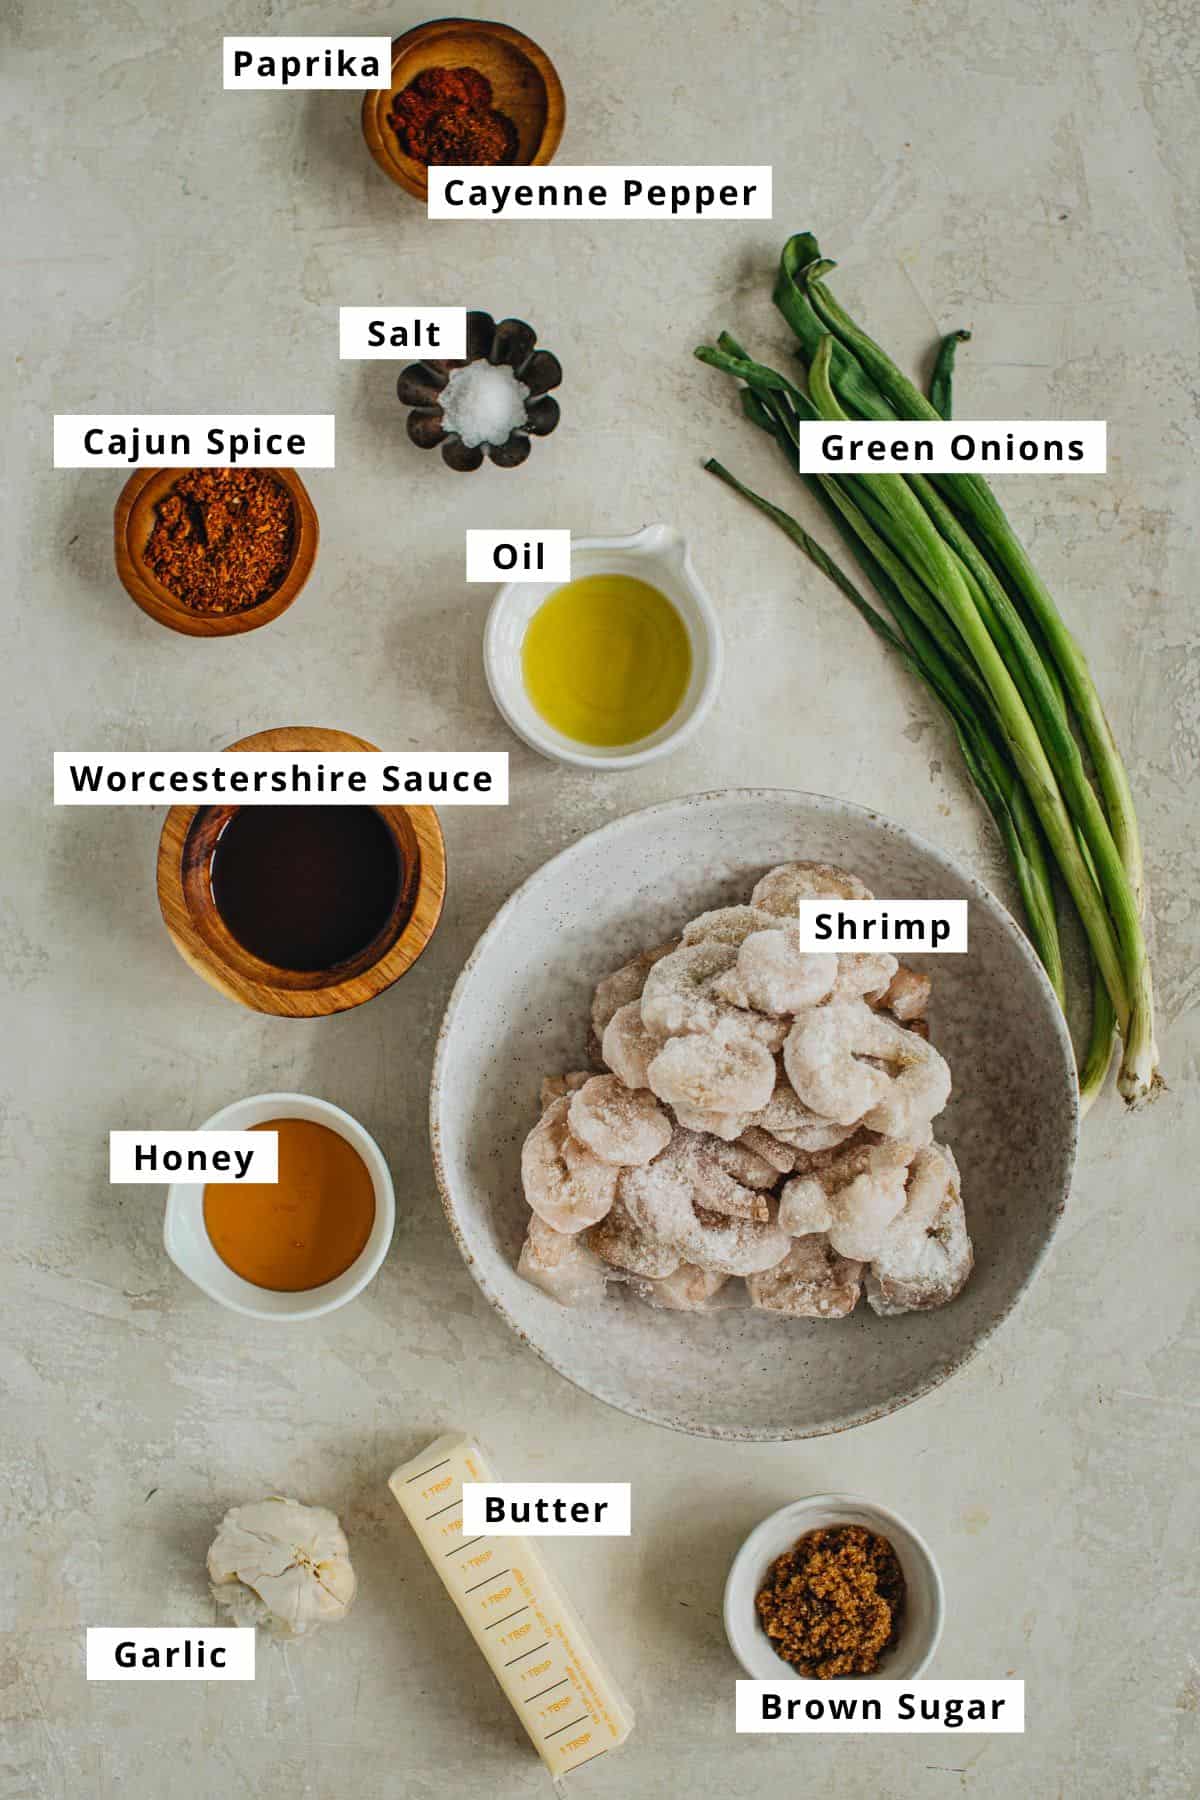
point(833, 1603)
point(222, 538)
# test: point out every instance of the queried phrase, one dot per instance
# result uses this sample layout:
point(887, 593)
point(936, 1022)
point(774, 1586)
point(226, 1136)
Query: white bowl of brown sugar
point(834, 1587)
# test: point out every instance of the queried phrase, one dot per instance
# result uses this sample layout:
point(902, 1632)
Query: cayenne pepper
point(222, 539)
point(446, 116)
point(832, 1604)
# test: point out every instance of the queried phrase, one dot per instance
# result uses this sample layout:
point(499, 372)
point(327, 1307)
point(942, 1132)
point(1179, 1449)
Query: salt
point(484, 403)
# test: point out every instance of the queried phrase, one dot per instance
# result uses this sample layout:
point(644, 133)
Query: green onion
point(970, 617)
point(941, 385)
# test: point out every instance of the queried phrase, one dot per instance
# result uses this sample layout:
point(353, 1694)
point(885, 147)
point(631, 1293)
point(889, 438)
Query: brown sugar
point(222, 538)
point(833, 1603)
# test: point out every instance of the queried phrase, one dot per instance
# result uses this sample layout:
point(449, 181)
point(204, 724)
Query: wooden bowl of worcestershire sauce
point(301, 911)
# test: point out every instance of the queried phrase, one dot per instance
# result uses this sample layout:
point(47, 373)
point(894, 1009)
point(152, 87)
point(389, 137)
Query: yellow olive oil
point(606, 660)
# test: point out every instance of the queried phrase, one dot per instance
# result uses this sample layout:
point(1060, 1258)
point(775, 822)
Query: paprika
point(446, 116)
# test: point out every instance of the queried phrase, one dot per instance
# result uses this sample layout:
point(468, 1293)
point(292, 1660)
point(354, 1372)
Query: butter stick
point(522, 1621)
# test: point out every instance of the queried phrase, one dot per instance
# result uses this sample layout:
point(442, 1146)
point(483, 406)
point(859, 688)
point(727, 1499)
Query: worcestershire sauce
point(305, 887)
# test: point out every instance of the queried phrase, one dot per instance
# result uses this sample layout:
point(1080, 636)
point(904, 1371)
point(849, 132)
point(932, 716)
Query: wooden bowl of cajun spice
point(214, 552)
point(463, 91)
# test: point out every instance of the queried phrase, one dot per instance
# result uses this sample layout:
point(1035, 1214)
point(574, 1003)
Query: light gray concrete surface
point(1027, 170)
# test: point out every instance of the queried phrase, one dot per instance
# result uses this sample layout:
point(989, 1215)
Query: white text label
point(193, 440)
point(307, 62)
point(158, 1156)
point(279, 778)
point(964, 447)
point(169, 1653)
point(893, 1706)
point(601, 192)
point(546, 1509)
point(372, 333)
point(896, 925)
point(518, 556)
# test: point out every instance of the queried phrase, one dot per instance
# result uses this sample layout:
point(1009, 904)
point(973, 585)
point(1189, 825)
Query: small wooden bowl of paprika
point(525, 91)
point(134, 522)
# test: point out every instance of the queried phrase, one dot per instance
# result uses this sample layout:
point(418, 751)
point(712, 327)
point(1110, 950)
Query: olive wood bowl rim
point(381, 140)
point(226, 965)
point(148, 592)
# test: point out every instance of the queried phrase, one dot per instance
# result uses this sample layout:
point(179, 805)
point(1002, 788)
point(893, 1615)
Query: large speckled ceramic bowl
point(520, 1011)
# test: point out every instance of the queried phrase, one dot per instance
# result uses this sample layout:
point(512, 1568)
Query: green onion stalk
point(968, 615)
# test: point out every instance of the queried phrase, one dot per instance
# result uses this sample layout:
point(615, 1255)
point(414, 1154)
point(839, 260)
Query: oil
point(305, 887)
point(606, 660)
point(306, 1229)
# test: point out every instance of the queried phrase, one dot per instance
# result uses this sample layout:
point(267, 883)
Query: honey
point(307, 1228)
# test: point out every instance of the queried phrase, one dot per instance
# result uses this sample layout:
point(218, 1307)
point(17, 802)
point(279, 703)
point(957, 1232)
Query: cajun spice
point(222, 539)
point(446, 116)
point(833, 1603)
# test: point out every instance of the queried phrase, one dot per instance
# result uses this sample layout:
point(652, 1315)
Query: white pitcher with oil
point(615, 667)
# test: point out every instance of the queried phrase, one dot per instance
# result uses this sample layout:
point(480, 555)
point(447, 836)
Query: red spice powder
point(222, 538)
point(446, 116)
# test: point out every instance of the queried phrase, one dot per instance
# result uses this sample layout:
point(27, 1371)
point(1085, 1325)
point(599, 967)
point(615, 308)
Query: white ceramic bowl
point(657, 554)
point(190, 1248)
point(924, 1606)
point(521, 1011)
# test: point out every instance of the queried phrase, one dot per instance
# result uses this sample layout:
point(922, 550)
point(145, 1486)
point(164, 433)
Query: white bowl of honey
point(302, 1246)
point(614, 668)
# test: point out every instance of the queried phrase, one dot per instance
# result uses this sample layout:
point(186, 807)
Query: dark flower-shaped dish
point(512, 341)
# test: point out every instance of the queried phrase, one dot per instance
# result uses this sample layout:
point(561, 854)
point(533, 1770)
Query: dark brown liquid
point(305, 887)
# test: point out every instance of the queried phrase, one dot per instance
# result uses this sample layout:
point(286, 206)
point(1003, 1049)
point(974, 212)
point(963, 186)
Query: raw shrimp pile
point(758, 1128)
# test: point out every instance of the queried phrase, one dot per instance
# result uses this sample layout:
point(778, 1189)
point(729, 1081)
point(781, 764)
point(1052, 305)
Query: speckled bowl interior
point(520, 1011)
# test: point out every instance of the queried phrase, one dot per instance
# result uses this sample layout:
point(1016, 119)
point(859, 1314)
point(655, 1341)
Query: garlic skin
point(283, 1566)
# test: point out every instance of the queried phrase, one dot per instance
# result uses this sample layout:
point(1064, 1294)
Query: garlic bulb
point(283, 1566)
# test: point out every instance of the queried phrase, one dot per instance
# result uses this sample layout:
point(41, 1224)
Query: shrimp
point(565, 1184)
point(562, 1265)
point(781, 890)
point(864, 975)
point(625, 984)
point(727, 925)
point(628, 1048)
point(726, 1126)
point(689, 1289)
point(918, 1090)
point(902, 1086)
point(926, 1255)
point(618, 1124)
point(853, 1196)
point(713, 1075)
point(772, 1150)
point(787, 1118)
point(745, 1164)
point(679, 995)
point(812, 1282)
point(773, 975)
point(664, 1196)
point(907, 996)
point(555, 1086)
point(617, 1241)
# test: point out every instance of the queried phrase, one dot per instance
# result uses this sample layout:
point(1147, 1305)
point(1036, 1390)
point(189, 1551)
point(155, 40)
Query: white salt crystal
point(484, 403)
